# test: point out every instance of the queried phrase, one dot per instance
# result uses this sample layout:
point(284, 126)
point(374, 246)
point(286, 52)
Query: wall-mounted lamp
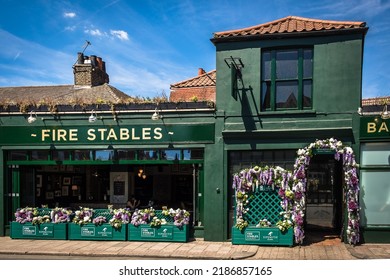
point(360, 111)
point(385, 114)
point(156, 116)
point(93, 117)
point(32, 118)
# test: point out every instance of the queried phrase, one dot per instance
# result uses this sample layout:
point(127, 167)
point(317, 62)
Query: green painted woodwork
point(252, 235)
point(134, 134)
point(168, 232)
point(42, 231)
point(374, 128)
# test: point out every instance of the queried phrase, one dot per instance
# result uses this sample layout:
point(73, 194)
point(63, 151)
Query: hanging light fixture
point(385, 114)
point(93, 117)
point(32, 118)
point(156, 116)
point(141, 173)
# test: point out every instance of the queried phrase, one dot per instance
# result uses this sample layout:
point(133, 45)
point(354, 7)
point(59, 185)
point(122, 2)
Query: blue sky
point(148, 44)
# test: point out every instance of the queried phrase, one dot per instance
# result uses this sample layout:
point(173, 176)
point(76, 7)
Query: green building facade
point(280, 86)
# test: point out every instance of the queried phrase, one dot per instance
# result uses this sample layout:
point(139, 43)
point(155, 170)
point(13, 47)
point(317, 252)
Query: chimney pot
point(201, 71)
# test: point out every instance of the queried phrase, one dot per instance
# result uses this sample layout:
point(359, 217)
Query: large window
point(286, 79)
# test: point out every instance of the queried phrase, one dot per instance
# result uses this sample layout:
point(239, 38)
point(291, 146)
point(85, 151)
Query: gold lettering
point(383, 127)
point(73, 135)
point(61, 135)
point(146, 133)
point(133, 135)
point(111, 134)
point(157, 133)
point(124, 134)
point(91, 134)
point(45, 134)
point(371, 127)
point(102, 130)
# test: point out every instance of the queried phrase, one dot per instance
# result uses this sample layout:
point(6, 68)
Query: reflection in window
point(147, 155)
point(39, 155)
point(126, 154)
point(171, 154)
point(193, 154)
point(17, 155)
point(104, 155)
point(83, 155)
point(61, 155)
point(286, 79)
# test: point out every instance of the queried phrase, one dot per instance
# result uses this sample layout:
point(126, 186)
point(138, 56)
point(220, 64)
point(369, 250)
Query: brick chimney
point(201, 71)
point(90, 71)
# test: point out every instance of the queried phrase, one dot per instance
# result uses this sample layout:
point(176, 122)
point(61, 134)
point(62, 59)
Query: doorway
point(323, 219)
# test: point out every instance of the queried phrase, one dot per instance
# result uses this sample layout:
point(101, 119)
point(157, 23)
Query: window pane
point(375, 154)
point(286, 94)
point(171, 154)
point(105, 155)
point(39, 155)
point(307, 63)
point(83, 155)
point(147, 155)
point(61, 155)
point(266, 95)
point(287, 64)
point(307, 86)
point(375, 197)
point(17, 155)
point(266, 66)
point(126, 154)
point(193, 154)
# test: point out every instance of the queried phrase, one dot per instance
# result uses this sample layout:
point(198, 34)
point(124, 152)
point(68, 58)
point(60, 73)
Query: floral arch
point(350, 186)
point(291, 189)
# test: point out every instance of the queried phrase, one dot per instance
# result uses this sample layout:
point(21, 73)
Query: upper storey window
point(286, 79)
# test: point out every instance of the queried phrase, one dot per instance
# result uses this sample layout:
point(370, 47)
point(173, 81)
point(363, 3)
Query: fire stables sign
point(111, 134)
point(371, 127)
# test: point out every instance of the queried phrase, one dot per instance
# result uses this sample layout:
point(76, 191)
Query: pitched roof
point(291, 24)
point(204, 80)
point(61, 94)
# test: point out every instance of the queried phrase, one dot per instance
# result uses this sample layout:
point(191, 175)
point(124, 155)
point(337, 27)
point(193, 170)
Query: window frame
point(301, 79)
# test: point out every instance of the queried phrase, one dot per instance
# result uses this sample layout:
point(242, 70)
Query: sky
point(148, 45)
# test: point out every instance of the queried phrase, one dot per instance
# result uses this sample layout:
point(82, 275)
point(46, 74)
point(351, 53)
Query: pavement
point(325, 248)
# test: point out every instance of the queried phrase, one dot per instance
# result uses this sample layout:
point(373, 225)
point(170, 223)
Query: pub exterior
point(280, 87)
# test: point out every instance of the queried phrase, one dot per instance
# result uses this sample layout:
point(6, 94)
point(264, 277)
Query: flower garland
point(245, 182)
point(351, 186)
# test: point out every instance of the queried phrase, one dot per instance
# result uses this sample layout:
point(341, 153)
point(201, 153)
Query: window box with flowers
point(40, 223)
point(99, 224)
point(264, 201)
point(159, 225)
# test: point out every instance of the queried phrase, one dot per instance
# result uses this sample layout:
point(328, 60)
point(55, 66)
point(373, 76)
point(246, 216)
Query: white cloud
point(70, 15)
point(122, 35)
point(70, 28)
point(94, 32)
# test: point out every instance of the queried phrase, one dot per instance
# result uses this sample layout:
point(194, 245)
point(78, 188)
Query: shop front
point(375, 178)
point(74, 163)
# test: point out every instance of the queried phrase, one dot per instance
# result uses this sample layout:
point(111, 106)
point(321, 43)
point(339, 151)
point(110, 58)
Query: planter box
point(168, 232)
point(93, 232)
point(262, 236)
point(42, 231)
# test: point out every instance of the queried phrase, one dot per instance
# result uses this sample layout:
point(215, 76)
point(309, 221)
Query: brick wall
point(188, 94)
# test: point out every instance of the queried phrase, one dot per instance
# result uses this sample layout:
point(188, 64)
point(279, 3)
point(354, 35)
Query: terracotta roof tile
point(291, 24)
point(204, 80)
